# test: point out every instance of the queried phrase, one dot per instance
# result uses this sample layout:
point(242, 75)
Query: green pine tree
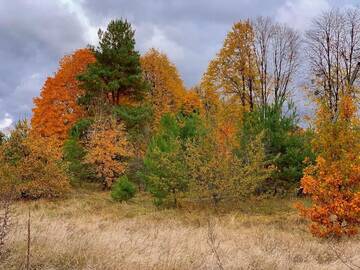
point(116, 72)
point(165, 169)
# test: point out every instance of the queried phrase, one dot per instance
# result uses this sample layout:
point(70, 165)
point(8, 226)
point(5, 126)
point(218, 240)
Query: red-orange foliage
point(334, 181)
point(56, 109)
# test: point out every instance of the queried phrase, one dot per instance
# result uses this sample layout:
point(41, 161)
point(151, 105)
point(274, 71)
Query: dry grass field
point(89, 231)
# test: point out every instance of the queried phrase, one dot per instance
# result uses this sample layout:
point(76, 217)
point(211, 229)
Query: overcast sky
point(35, 34)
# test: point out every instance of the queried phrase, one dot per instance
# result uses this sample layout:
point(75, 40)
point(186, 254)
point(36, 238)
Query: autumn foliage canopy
point(56, 110)
point(333, 182)
point(127, 122)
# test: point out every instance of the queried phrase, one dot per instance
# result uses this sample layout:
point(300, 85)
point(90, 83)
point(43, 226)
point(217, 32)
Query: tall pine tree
point(116, 75)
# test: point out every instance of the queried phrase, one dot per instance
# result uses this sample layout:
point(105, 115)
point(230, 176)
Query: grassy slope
point(89, 231)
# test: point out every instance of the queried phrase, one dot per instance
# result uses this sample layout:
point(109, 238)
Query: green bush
point(133, 172)
point(74, 153)
point(135, 117)
point(80, 128)
point(286, 144)
point(137, 120)
point(164, 169)
point(123, 189)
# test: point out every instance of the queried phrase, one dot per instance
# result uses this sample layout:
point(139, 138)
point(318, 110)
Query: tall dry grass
point(89, 231)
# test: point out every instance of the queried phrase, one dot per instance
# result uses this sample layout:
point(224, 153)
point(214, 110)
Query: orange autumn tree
point(333, 182)
point(107, 149)
point(225, 116)
point(56, 109)
point(227, 124)
point(208, 95)
point(166, 87)
point(228, 87)
point(191, 103)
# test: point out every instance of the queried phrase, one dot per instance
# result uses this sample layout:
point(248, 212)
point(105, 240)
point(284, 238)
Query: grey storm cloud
point(35, 34)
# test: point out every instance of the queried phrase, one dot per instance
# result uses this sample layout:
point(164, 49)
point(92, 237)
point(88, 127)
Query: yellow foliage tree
point(210, 100)
point(217, 172)
point(108, 149)
point(167, 89)
point(33, 164)
point(191, 103)
point(233, 71)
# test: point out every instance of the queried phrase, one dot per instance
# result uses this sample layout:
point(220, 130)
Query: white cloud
point(299, 13)
point(6, 122)
point(75, 7)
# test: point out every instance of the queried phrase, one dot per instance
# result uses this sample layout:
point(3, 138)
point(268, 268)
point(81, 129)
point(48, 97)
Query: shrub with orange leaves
point(56, 109)
point(333, 182)
point(108, 150)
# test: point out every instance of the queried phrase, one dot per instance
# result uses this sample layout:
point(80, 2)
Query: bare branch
point(214, 244)
point(333, 47)
point(276, 49)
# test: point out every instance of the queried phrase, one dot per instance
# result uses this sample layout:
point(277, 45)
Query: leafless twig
point(214, 244)
point(342, 258)
point(5, 218)
point(28, 242)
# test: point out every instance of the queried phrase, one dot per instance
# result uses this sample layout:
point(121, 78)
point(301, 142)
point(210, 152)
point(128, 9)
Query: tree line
point(126, 121)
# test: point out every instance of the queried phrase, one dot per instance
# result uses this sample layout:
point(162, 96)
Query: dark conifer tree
point(116, 72)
